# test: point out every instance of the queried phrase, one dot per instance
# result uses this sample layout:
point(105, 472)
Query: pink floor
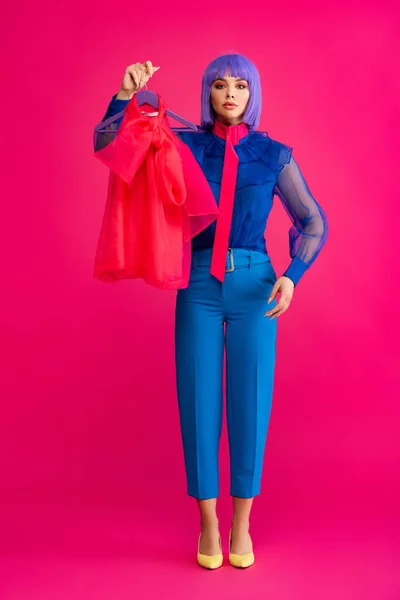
point(80, 549)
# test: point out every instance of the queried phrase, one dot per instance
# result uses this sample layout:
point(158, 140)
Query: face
point(229, 89)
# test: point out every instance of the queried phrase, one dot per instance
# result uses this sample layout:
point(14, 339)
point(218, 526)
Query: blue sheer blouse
point(266, 167)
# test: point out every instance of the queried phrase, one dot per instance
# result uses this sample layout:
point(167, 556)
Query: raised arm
point(107, 129)
point(309, 229)
point(134, 78)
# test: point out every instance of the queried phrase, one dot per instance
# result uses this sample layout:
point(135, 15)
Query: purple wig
point(234, 65)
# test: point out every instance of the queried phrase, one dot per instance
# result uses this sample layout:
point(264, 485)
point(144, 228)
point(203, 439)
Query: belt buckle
point(231, 263)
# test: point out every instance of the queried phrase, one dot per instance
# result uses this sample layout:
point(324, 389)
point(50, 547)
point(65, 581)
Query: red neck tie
point(232, 134)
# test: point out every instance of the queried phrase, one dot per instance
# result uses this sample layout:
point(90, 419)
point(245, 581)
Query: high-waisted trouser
point(202, 310)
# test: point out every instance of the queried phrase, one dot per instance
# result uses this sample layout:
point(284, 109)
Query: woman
point(230, 302)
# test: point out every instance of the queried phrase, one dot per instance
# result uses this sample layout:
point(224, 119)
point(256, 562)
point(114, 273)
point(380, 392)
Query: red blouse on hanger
point(158, 199)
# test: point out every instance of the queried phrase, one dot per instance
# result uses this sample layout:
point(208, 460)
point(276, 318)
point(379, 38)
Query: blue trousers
point(210, 317)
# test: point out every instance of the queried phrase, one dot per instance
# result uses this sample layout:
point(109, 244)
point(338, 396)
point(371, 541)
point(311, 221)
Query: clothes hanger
point(149, 97)
point(110, 125)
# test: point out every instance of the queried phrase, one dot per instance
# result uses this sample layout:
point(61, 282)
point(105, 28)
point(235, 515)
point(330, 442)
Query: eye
point(220, 85)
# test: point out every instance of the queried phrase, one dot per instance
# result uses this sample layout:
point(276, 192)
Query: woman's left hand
point(285, 286)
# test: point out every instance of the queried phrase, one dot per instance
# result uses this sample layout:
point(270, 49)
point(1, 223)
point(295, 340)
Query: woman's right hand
point(135, 77)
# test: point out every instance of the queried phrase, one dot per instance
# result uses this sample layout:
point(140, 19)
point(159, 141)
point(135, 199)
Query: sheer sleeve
point(107, 129)
point(309, 229)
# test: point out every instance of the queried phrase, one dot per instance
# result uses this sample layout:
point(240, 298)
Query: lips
point(230, 104)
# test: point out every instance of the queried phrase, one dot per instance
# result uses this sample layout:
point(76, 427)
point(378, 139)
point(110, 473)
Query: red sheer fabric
point(158, 199)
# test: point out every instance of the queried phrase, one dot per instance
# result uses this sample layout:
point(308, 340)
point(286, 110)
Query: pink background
point(93, 493)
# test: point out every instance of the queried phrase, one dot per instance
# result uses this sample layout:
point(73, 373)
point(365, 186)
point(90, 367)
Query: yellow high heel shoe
point(240, 560)
point(212, 561)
